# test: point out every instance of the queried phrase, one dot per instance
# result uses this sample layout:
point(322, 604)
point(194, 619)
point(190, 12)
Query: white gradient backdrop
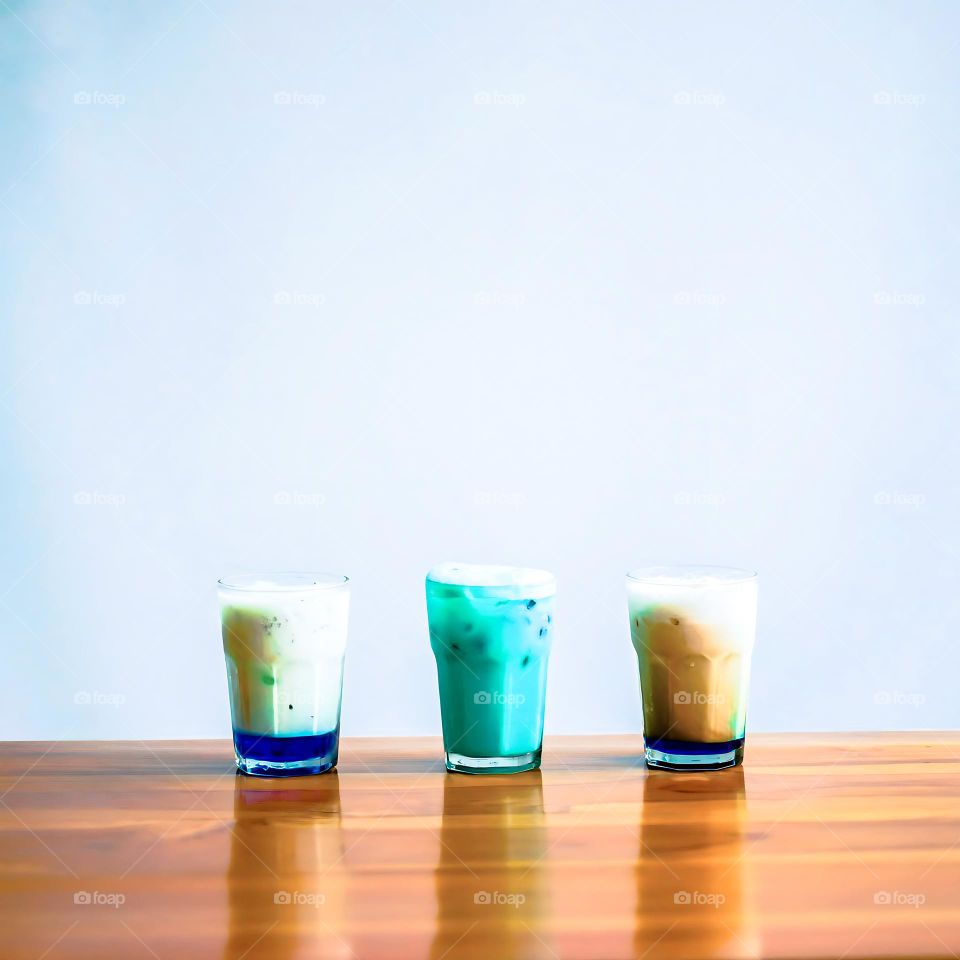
point(581, 286)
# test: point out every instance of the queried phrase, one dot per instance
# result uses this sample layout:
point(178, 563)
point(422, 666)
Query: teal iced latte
point(490, 630)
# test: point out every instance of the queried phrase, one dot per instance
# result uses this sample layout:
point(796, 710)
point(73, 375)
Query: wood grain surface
point(841, 845)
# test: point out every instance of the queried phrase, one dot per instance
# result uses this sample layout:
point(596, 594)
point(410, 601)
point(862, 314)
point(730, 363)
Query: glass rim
point(443, 574)
point(281, 582)
point(678, 575)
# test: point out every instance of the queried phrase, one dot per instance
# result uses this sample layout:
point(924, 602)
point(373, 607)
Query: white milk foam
point(297, 638)
point(490, 575)
point(723, 605)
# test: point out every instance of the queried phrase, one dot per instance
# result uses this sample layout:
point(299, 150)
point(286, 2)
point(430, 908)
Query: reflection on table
point(284, 884)
point(491, 887)
point(693, 890)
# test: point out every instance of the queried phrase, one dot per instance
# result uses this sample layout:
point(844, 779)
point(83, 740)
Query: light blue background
point(582, 286)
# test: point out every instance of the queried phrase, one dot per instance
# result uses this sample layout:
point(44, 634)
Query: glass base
point(692, 755)
point(458, 763)
point(290, 768)
point(262, 755)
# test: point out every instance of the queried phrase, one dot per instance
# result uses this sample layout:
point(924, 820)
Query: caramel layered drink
point(693, 631)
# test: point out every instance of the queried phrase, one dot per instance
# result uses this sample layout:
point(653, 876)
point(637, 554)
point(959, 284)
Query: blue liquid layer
point(259, 746)
point(693, 748)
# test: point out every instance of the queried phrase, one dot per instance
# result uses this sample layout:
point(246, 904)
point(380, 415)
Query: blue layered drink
point(490, 629)
point(284, 639)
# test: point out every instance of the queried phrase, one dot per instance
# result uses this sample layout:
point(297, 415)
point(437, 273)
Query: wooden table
point(820, 846)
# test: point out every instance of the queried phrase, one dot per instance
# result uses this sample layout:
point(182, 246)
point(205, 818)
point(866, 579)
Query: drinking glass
point(490, 630)
point(284, 638)
point(693, 631)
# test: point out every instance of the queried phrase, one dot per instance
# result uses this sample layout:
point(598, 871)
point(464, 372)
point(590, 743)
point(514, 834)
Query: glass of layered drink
point(284, 638)
point(490, 630)
point(693, 630)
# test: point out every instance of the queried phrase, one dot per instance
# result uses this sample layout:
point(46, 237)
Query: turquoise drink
point(490, 630)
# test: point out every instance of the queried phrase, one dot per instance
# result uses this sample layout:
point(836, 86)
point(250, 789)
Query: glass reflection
point(285, 879)
point(491, 878)
point(693, 896)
